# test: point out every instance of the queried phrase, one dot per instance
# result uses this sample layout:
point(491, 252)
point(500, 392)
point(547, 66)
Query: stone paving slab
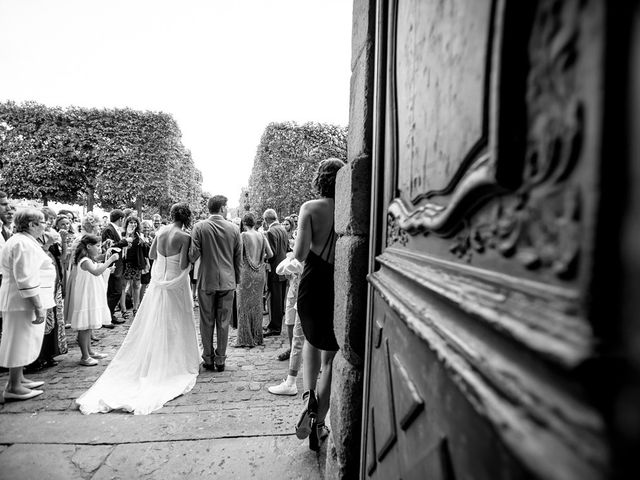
point(34, 461)
point(51, 427)
point(257, 457)
point(229, 424)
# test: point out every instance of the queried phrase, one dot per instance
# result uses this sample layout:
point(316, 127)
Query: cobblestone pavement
point(229, 426)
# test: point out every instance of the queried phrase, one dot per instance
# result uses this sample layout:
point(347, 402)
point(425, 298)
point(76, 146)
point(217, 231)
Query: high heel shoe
point(314, 442)
point(308, 415)
point(323, 431)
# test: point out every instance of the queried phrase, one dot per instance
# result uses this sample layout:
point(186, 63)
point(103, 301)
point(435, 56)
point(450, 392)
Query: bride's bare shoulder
point(183, 237)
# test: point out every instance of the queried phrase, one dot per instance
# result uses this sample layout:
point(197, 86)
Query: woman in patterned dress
point(55, 339)
point(255, 249)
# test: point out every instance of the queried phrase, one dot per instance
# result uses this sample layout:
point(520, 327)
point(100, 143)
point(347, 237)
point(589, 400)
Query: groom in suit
point(114, 288)
point(216, 242)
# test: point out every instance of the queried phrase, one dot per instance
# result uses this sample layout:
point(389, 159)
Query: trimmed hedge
point(285, 164)
point(112, 157)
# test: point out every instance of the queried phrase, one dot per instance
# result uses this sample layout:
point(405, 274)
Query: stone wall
point(353, 192)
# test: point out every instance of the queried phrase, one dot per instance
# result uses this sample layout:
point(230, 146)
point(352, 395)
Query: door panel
point(487, 136)
point(431, 89)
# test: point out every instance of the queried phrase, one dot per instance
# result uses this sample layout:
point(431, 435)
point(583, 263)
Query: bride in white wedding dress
point(159, 358)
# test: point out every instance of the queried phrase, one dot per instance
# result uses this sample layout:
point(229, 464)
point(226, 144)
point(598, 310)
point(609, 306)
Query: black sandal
point(323, 431)
point(308, 415)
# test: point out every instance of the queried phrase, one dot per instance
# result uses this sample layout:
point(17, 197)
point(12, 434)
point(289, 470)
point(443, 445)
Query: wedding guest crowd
point(68, 242)
point(60, 271)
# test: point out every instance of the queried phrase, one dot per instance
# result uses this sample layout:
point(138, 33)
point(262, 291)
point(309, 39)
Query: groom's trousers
point(216, 311)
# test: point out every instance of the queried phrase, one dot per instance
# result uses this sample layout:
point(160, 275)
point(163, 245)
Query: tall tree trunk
point(139, 207)
point(89, 199)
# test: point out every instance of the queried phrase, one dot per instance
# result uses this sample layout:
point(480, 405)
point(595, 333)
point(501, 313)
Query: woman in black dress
point(135, 262)
point(315, 245)
point(145, 276)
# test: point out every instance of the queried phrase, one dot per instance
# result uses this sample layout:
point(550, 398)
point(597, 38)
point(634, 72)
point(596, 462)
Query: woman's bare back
point(316, 230)
point(253, 244)
point(171, 241)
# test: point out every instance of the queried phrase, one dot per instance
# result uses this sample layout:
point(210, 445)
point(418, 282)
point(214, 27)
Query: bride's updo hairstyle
point(181, 213)
point(325, 179)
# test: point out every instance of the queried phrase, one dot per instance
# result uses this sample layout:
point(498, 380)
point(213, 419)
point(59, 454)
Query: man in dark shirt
point(112, 234)
point(277, 284)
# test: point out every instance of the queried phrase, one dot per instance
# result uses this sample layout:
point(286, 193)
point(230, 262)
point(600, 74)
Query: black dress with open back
point(315, 298)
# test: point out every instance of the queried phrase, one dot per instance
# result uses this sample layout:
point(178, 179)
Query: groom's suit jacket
point(216, 241)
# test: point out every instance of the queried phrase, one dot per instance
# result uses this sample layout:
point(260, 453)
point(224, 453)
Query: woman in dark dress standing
point(315, 245)
point(134, 263)
point(145, 276)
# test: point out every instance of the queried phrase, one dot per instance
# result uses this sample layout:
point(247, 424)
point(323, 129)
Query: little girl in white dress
point(90, 309)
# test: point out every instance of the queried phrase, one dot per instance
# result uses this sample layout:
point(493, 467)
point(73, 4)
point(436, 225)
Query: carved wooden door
point(487, 144)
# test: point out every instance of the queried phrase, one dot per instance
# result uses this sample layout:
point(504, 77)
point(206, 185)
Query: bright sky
point(223, 68)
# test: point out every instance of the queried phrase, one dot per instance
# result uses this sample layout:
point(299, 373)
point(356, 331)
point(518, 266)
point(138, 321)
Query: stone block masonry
point(353, 199)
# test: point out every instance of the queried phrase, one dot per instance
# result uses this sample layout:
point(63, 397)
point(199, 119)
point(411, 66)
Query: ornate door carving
point(487, 140)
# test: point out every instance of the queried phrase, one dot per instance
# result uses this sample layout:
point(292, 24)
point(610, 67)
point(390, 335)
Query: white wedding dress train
point(159, 358)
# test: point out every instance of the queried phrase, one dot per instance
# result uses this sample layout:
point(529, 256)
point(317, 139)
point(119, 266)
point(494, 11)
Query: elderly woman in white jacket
point(28, 277)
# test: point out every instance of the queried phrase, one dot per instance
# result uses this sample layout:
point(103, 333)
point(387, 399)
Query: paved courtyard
point(229, 426)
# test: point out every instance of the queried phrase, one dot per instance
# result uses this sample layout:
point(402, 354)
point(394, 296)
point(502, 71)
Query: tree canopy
point(285, 163)
point(113, 157)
